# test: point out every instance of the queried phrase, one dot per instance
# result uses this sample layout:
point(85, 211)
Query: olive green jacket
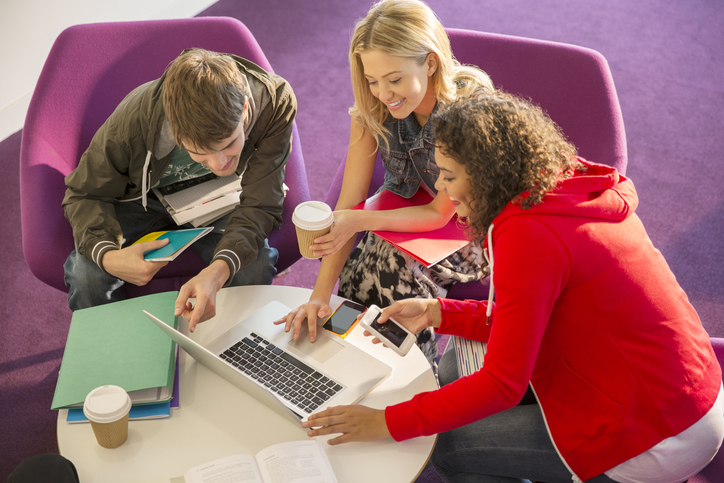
point(128, 155)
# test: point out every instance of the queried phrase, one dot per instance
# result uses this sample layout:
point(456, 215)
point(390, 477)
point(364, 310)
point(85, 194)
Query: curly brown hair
point(512, 152)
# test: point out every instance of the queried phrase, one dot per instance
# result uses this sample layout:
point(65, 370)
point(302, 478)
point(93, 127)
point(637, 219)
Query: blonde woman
point(402, 68)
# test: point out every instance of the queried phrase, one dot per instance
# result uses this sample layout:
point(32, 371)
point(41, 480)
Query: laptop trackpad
point(320, 350)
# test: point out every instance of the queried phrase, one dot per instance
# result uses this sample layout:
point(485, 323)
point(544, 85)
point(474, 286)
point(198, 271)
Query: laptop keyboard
point(281, 372)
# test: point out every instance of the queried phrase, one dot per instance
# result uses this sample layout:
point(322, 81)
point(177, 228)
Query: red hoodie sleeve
point(531, 266)
point(465, 318)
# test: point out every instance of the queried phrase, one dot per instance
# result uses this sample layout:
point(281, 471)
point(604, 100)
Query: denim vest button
point(409, 160)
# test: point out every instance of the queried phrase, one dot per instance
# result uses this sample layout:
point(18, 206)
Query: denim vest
point(410, 157)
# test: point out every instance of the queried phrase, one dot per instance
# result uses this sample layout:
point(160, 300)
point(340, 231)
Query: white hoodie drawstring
point(489, 258)
point(488, 254)
point(144, 181)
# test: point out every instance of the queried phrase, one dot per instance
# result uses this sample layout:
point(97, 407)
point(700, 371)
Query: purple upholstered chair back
point(573, 84)
point(714, 472)
point(89, 70)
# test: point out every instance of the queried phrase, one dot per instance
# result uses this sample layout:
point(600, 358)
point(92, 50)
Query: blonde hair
point(410, 29)
point(203, 97)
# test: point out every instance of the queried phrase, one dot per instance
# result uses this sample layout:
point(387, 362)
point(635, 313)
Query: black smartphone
point(344, 318)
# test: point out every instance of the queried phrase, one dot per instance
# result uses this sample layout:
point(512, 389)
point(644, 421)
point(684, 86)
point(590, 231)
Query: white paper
point(295, 462)
point(232, 469)
point(201, 193)
point(228, 201)
point(292, 462)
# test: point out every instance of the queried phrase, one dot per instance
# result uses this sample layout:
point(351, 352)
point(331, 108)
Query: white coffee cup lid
point(106, 404)
point(312, 215)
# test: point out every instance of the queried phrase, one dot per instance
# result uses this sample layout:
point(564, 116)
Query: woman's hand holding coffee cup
point(345, 226)
point(311, 219)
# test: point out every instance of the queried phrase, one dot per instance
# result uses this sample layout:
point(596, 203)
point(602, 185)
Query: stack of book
point(469, 354)
point(115, 344)
point(202, 200)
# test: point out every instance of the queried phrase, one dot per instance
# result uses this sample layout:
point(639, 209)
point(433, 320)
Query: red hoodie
point(588, 312)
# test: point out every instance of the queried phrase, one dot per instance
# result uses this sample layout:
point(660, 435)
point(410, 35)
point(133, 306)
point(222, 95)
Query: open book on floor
point(291, 462)
point(428, 247)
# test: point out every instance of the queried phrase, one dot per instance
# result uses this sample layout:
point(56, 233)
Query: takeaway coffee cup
point(312, 219)
point(107, 408)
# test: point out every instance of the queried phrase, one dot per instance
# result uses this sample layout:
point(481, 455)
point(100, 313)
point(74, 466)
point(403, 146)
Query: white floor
point(28, 29)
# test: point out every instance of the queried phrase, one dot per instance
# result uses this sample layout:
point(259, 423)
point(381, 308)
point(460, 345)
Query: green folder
point(117, 344)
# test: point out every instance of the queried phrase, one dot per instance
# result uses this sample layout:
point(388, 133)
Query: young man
point(209, 113)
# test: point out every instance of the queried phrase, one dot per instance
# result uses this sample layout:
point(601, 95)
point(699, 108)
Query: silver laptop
point(295, 378)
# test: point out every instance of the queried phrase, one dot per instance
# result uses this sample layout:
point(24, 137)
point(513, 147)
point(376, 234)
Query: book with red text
point(428, 247)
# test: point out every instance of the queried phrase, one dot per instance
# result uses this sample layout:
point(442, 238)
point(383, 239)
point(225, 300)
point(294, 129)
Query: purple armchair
point(88, 72)
point(573, 84)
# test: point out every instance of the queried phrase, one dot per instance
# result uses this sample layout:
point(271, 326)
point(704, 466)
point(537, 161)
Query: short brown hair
point(512, 152)
point(203, 96)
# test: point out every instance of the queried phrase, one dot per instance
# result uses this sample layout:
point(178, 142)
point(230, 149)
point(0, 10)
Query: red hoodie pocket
point(576, 411)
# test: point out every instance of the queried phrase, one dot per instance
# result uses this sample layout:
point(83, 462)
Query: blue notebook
point(179, 240)
point(144, 411)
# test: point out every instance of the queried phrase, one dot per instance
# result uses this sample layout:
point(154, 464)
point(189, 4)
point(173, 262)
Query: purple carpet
point(667, 64)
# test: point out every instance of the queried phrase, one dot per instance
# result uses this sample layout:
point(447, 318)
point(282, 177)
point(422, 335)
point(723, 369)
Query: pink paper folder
point(428, 247)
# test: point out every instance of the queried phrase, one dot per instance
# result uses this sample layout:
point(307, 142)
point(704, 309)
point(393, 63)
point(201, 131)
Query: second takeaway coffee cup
point(107, 408)
point(312, 219)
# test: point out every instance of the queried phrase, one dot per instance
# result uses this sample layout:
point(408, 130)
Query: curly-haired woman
point(587, 314)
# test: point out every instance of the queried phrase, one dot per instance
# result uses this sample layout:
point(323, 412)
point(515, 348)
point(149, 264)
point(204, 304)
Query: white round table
point(215, 419)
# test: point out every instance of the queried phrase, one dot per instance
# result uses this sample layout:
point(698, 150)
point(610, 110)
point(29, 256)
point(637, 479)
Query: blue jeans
point(89, 286)
point(509, 446)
